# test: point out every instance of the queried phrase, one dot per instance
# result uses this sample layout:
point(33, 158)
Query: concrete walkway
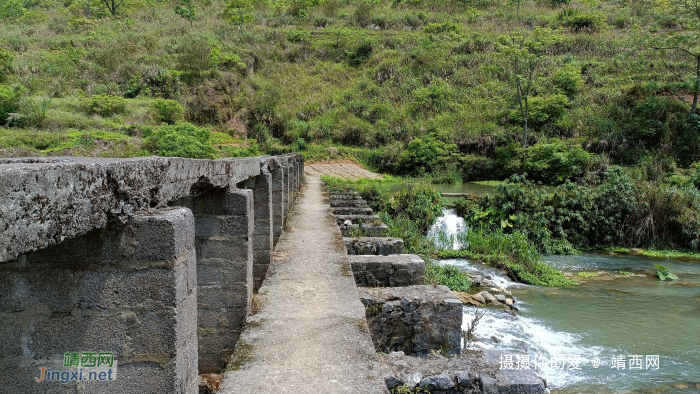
point(310, 335)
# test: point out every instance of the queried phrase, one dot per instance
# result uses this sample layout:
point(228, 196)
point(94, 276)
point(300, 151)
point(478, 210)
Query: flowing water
point(613, 314)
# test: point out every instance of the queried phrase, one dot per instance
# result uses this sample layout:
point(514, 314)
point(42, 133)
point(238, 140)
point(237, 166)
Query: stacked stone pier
point(132, 275)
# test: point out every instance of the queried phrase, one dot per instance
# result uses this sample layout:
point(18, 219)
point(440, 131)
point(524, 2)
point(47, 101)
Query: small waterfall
point(446, 230)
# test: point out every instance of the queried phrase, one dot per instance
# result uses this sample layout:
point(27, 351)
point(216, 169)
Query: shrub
point(226, 61)
point(6, 59)
point(554, 162)
point(10, 97)
point(105, 105)
point(167, 111)
point(542, 110)
point(180, 140)
point(298, 35)
point(428, 154)
point(568, 80)
point(576, 20)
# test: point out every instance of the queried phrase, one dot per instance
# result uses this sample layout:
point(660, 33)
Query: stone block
point(351, 211)
point(373, 245)
point(414, 319)
point(388, 271)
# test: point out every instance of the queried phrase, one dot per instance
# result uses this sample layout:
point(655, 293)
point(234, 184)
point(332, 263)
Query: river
point(624, 312)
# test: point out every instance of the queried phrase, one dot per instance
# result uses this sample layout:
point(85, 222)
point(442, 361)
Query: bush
point(568, 80)
point(578, 20)
point(167, 111)
point(105, 105)
point(554, 162)
point(542, 110)
point(226, 61)
point(180, 140)
point(10, 97)
point(428, 154)
point(6, 59)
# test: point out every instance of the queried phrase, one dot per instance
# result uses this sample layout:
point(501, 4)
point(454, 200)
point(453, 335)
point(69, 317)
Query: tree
point(686, 43)
point(240, 12)
point(523, 52)
point(113, 5)
point(186, 10)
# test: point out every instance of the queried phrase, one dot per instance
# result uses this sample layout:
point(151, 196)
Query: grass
point(513, 253)
point(447, 275)
point(658, 253)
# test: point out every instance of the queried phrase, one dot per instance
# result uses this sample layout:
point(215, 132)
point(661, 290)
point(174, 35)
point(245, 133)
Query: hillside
point(361, 79)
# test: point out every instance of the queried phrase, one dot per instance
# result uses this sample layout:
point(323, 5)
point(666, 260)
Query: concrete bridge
point(153, 275)
point(152, 260)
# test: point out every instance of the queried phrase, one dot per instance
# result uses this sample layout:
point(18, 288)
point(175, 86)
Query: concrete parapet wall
point(413, 319)
point(128, 289)
point(373, 245)
point(388, 271)
point(48, 200)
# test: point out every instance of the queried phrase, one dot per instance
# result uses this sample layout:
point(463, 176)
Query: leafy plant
point(180, 140)
point(6, 59)
point(105, 105)
point(663, 274)
point(167, 111)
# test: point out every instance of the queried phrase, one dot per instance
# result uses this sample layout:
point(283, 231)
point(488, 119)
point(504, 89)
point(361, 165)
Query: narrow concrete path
point(310, 335)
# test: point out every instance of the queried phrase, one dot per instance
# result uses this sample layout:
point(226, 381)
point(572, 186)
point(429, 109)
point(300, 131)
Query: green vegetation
point(596, 97)
point(619, 208)
point(585, 274)
point(513, 253)
point(407, 87)
point(663, 274)
point(447, 275)
point(410, 212)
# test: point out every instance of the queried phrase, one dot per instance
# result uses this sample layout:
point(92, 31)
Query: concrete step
point(395, 270)
point(373, 245)
point(356, 203)
point(367, 231)
point(351, 211)
point(355, 219)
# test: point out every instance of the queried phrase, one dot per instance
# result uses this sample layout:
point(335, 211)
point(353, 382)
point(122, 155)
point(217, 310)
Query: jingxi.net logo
point(85, 366)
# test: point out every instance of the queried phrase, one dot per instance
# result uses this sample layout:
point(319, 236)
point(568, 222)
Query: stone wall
point(414, 319)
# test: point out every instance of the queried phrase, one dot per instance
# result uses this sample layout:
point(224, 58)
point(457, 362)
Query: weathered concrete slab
point(130, 290)
point(373, 245)
point(310, 335)
point(388, 271)
point(44, 201)
point(415, 319)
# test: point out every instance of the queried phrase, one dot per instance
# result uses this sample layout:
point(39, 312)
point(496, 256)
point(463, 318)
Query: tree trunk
point(525, 124)
point(697, 88)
